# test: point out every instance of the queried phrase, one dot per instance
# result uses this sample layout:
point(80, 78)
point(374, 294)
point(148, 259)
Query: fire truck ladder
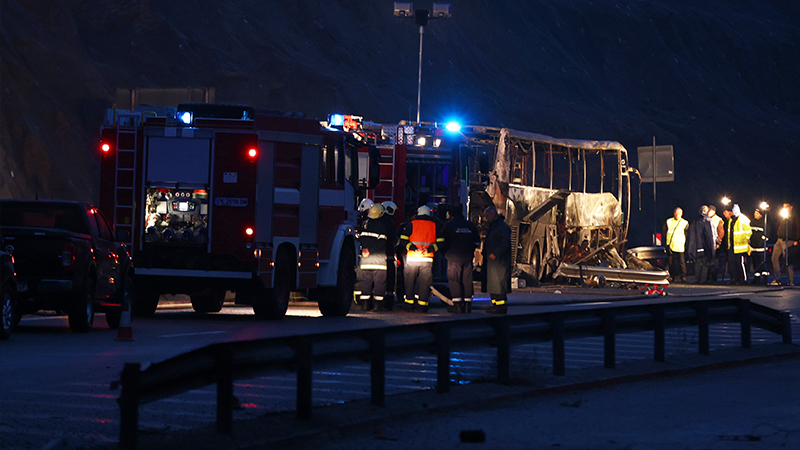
point(386, 187)
point(125, 175)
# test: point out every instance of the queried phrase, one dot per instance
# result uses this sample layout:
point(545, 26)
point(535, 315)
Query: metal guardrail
point(225, 362)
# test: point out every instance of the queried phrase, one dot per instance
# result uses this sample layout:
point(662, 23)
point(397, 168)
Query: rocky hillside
point(717, 79)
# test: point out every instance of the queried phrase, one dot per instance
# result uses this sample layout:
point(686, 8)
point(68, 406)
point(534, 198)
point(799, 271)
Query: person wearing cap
point(420, 237)
point(497, 260)
point(758, 241)
point(701, 245)
point(675, 230)
point(391, 242)
point(373, 239)
point(461, 238)
point(739, 230)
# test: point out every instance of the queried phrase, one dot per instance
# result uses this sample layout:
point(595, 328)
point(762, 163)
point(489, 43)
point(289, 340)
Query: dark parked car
point(8, 293)
point(67, 259)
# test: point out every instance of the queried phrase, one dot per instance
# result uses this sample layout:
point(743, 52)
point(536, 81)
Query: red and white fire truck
point(220, 198)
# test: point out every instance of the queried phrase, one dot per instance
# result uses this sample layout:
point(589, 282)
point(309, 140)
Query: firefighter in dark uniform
point(461, 238)
point(497, 260)
point(758, 241)
point(421, 240)
point(373, 239)
point(391, 242)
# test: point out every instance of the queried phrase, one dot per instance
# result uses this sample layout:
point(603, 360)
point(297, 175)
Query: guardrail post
point(786, 326)
point(443, 358)
point(129, 406)
point(609, 334)
point(659, 331)
point(559, 362)
point(223, 362)
point(503, 350)
point(302, 354)
point(377, 371)
point(702, 327)
point(744, 313)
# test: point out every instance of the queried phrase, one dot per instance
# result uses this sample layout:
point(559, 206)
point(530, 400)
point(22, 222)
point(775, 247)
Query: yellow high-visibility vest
point(676, 234)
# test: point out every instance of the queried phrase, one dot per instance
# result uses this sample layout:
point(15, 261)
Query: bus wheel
point(336, 300)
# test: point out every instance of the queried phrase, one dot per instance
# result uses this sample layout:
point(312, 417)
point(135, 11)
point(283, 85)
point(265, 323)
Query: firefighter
point(391, 265)
point(497, 259)
point(758, 241)
point(363, 211)
point(461, 238)
point(421, 240)
point(373, 239)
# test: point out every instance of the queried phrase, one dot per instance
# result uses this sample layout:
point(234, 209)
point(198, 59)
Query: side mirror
point(374, 167)
point(123, 236)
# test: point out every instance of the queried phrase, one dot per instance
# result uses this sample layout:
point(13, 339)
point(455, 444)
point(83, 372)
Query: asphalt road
point(54, 385)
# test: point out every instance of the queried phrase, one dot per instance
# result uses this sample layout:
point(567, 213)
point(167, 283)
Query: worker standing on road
point(391, 261)
point(758, 241)
point(724, 246)
point(373, 238)
point(739, 228)
point(497, 259)
point(675, 230)
point(701, 245)
point(788, 233)
point(421, 240)
point(461, 238)
point(718, 229)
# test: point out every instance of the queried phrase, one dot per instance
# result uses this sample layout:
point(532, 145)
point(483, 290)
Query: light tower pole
point(421, 18)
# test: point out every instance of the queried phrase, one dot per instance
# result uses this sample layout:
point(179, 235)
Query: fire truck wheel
point(208, 301)
point(81, 311)
point(272, 303)
point(145, 299)
point(336, 300)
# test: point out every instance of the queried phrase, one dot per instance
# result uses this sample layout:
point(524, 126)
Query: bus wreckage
point(567, 202)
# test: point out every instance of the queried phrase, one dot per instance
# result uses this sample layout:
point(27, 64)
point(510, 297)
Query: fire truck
point(220, 198)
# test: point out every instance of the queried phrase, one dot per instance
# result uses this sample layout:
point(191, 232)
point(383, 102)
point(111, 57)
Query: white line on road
point(191, 334)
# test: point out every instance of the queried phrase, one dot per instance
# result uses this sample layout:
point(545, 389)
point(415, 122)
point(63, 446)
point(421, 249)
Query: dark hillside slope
point(717, 79)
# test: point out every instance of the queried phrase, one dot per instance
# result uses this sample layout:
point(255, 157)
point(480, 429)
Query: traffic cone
point(125, 332)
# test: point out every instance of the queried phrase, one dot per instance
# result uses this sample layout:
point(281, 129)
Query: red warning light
point(252, 153)
point(106, 147)
point(249, 231)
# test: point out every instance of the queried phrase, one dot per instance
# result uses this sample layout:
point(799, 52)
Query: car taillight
point(68, 257)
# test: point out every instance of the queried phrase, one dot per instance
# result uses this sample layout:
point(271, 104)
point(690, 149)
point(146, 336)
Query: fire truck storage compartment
point(176, 198)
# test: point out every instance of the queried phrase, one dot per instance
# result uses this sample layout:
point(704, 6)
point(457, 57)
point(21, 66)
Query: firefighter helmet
point(390, 207)
point(376, 211)
point(365, 205)
point(424, 211)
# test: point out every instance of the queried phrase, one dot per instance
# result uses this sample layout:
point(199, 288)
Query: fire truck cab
point(221, 198)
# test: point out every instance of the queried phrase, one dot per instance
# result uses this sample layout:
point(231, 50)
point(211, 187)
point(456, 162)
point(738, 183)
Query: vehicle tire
point(336, 300)
point(272, 303)
point(145, 299)
point(9, 318)
point(208, 301)
point(81, 312)
point(114, 317)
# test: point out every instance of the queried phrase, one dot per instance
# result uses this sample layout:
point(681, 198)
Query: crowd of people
point(397, 266)
point(732, 245)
